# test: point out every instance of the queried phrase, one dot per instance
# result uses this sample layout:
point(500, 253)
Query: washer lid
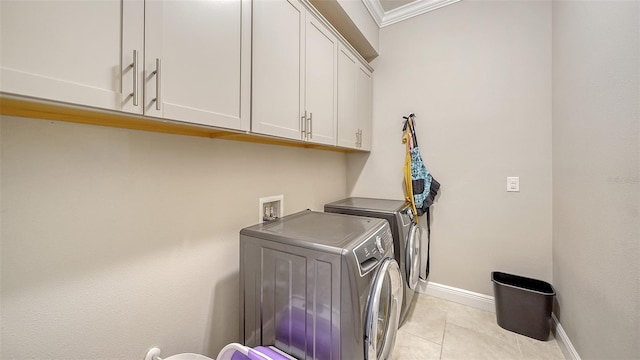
point(325, 231)
point(368, 204)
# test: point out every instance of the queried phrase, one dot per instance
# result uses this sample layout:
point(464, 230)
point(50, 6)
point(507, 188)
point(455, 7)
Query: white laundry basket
point(233, 351)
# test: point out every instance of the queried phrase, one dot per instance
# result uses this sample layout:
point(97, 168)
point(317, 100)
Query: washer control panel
point(373, 249)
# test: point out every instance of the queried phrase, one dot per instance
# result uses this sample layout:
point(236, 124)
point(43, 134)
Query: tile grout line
point(444, 331)
point(519, 348)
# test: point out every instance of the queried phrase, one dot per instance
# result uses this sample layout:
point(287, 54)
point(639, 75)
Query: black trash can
point(523, 305)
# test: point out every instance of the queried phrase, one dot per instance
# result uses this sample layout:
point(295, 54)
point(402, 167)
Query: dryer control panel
point(373, 249)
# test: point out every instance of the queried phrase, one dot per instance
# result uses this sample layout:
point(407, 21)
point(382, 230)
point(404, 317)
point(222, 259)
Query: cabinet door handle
point(303, 124)
point(310, 131)
point(357, 138)
point(134, 69)
point(157, 74)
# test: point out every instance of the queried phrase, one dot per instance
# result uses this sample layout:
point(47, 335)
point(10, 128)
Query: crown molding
point(375, 9)
point(418, 7)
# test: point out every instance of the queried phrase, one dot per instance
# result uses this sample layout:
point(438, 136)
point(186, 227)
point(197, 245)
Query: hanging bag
point(407, 139)
point(420, 186)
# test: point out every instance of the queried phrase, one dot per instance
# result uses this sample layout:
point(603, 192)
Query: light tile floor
point(441, 330)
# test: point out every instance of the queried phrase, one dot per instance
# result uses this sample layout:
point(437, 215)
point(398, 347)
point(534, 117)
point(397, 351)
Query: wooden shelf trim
point(46, 110)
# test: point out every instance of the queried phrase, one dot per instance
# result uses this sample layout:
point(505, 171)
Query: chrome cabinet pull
point(134, 69)
point(303, 123)
point(310, 131)
point(357, 138)
point(157, 74)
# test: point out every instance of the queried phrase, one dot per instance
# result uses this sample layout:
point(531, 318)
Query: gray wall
point(478, 77)
point(117, 240)
point(596, 175)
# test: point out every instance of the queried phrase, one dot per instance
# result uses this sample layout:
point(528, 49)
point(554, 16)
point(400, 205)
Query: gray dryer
point(406, 236)
point(320, 286)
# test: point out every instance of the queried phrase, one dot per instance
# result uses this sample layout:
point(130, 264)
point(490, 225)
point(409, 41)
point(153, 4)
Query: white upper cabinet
point(186, 60)
point(363, 106)
point(62, 50)
point(197, 61)
point(320, 82)
point(354, 101)
point(271, 67)
point(348, 131)
point(294, 73)
point(278, 40)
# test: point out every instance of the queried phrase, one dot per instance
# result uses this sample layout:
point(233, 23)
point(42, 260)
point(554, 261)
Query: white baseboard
point(461, 296)
point(486, 302)
point(562, 338)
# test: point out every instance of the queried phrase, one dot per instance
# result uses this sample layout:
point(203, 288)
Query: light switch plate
point(513, 184)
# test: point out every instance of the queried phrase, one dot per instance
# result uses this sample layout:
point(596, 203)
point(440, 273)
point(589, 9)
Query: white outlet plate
point(268, 199)
point(513, 184)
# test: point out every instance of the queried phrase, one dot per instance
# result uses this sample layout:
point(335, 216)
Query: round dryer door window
point(412, 260)
point(383, 311)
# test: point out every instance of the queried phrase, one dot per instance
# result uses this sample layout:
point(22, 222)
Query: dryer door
point(412, 259)
point(383, 311)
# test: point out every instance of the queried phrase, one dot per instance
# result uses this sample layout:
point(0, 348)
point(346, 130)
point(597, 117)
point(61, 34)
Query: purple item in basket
point(235, 351)
point(271, 353)
point(259, 353)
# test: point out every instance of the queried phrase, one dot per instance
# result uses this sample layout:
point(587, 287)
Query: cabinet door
point(347, 122)
point(363, 106)
point(321, 48)
point(197, 61)
point(132, 56)
point(278, 35)
point(62, 50)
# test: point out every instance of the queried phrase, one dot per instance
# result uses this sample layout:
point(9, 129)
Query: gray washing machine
point(406, 236)
point(320, 286)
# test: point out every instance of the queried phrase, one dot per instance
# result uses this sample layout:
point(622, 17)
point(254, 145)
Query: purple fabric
point(270, 353)
point(253, 354)
point(238, 356)
point(292, 331)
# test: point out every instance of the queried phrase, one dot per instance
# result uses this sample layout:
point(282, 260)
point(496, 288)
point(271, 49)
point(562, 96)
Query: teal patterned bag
point(425, 187)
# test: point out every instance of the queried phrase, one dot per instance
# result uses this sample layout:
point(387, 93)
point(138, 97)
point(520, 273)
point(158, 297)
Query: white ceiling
point(387, 12)
point(388, 5)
